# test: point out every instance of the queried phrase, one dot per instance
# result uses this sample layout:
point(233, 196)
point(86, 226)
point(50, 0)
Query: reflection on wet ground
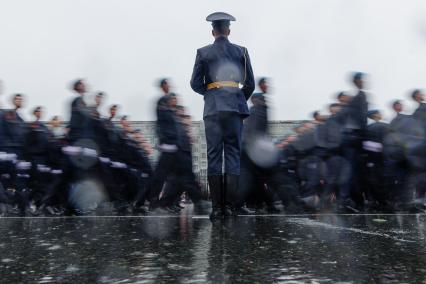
point(186, 249)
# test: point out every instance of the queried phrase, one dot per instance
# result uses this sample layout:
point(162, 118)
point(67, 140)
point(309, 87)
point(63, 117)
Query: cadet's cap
point(396, 102)
point(414, 93)
point(220, 19)
point(372, 112)
point(76, 83)
point(358, 75)
point(163, 81)
point(262, 80)
point(341, 94)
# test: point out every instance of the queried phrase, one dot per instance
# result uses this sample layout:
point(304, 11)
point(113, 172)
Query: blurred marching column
point(264, 169)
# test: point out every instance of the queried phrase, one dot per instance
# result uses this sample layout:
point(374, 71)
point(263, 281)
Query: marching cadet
point(167, 132)
point(79, 113)
point(13, 128)
point(420, 113)
point(254, 178)
point(136, 173)
point(416, 151)
point(375, 162)
point(112, 112)
point(397, 172)
point(36, 150)
point(355, 124)
point(184, 180)
point(13, 132)
point(219, 70)
point(4, 163)
point(55, 127)
point(398, 122)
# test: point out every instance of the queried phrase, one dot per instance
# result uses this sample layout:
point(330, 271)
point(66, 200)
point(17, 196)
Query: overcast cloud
point(123, 46)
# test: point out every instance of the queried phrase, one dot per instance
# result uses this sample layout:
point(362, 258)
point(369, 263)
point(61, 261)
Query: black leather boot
point(232, 182)
point(216, 194)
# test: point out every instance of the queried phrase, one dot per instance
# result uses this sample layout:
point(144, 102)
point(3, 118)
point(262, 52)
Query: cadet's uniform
point(78, 120)
point(416, 153)
point(219, 69)
point(269, 178)
point(253, 177)
point(375, 164)
point(355, 123)
point(401, 130)
point(13, 131)
point(4, 165)
point(168, 136)
point(420, 116)
point(36, 150)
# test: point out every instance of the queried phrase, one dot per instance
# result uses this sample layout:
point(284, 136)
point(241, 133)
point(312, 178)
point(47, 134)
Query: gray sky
point(123, 46)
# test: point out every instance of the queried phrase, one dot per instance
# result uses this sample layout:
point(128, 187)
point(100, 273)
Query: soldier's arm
point(248, 84)
point(197, 79)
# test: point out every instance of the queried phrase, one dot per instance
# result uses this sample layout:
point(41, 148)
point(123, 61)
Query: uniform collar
point(221, 39)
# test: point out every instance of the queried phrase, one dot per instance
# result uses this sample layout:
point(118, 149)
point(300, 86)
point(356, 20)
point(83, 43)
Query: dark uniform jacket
point(167, 125)
point(400, 123)
point(377, 131)
point(415, 146)
point(37, 140)
point(402, 129)
point(184, 141)
point(328, 135)
point(420, 113)
point(79, 120)
point(420, 116)
point(257, 123)
point(356, 112)
point(12, 132)
point(223, 61)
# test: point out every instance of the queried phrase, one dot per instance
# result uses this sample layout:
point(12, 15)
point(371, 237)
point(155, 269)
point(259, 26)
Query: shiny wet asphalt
point(190, 249)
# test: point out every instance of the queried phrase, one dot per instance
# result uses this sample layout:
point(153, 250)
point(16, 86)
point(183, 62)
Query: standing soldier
point(219, 70)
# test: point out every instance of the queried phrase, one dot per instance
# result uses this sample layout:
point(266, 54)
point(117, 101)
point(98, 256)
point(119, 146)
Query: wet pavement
point(189, 249)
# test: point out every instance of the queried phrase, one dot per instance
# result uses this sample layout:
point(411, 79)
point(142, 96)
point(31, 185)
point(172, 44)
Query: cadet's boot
point(216, 193)
point(242, 211)
point(272, 209)
point(201, 207)
point(231, 187)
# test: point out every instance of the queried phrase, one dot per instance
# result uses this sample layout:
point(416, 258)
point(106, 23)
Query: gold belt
point(221, 84)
